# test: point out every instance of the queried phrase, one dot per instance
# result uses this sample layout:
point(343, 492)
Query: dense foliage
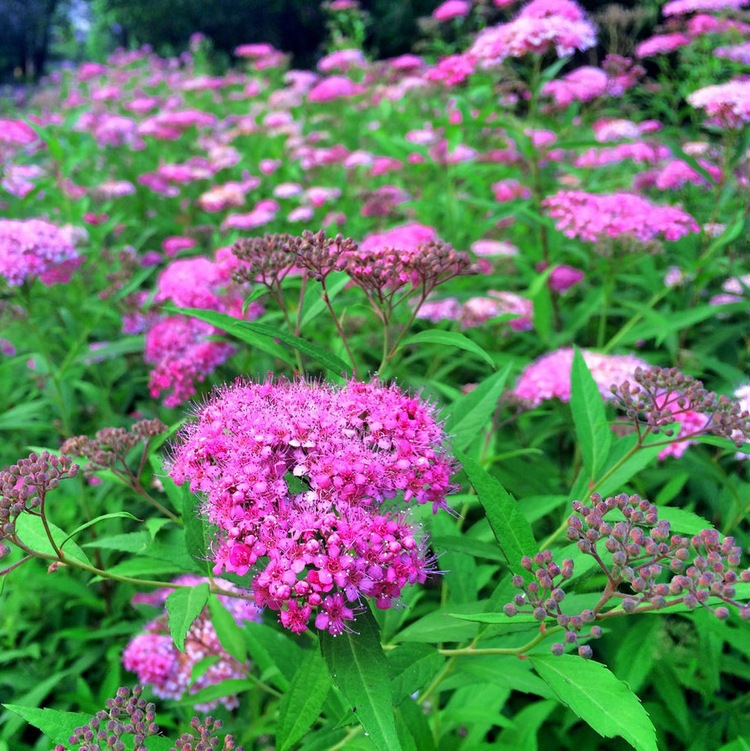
point(399, 405)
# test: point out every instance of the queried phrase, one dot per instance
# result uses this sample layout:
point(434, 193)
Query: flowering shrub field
point(400, 404)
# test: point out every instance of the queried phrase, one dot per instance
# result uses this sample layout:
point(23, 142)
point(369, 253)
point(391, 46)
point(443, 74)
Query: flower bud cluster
point(23, 487)
point(127, 717)
point(647, 568)
point(112, 445)
point(203, 737)
point(379, 270)
point(660, 397)
point(543, 598)
point(266, 259)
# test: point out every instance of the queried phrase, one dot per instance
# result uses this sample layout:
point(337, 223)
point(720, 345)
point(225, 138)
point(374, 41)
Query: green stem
point(339, 329)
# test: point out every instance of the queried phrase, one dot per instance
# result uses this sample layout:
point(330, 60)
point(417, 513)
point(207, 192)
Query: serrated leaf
point(449, 339)
point(57, 725)
point(592, 427)
point(303, 701)
point(412, 666)
point(195, 536)
point(273, 653)
point(598, 697)
point(512, 532)
point(472, 411)
point(184, 605)
point(359, 669)
point(31, 532)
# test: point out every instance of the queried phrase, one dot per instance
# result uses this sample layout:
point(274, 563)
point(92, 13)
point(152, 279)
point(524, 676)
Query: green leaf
point(58, 726)
point(412, 667)
point(314, 304)
point(244, 330)
point(113, 515)
point(227, 629)
point(184, 605)
point(228, 687)
point(359, 669)
point(273, 653)
point(31, 532)
point(303, 701)
point(472, 411)
point(592, 427)
point(598, 697)
point(512, 532)
point(449, 339)
point(195, 534)
point(631, 466)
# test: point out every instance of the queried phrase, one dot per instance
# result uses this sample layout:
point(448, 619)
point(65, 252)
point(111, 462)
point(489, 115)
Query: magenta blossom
point(309, 486)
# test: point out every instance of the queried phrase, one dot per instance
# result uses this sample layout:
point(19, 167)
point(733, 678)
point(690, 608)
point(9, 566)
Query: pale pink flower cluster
point(593, 217)
point(640, 152)
point(32, 248)
point(296, 476)
point(155, 659)
point(662, 44)
point(728, 103)
point(676, 173)
point(682, 7)
point(509, 190)
point(540, 26)
point(342, 60)
point(452, 70)
point(451, 9)
point(477, 311)
point(740, 53)
point(334, 87)
point(549, 376)
point(619, 129)
point(581, 85)
point(735, 289)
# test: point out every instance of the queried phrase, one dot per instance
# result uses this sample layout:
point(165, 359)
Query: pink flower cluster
point(184, 350)
point(728, 103)
point(296, 476)
point(593, 217)
point(477, 311)
point(738, 52)
point(540, 26)
point(34, 248)
point(549, 376)
point(581, 85)
point(662, 44)
point(154, 658)
point(682, 7)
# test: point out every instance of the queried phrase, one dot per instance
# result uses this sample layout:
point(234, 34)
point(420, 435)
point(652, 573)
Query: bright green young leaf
point(598, 697)
point(184, 605)
point(58, 726)
point(227, 629)
point(472, 411)
point(303, 701)
point(113, 515)
point(449, 339)
point(592, 427)
point(31, 532)
point(512, 532)
point(359, 669)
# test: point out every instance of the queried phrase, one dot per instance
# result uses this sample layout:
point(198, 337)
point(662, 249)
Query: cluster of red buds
point(661, 397)
point(265, 260)
point(125, 715)
point(203, 737)
point(111, 446)
point(24, 487)
point(646, 568)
